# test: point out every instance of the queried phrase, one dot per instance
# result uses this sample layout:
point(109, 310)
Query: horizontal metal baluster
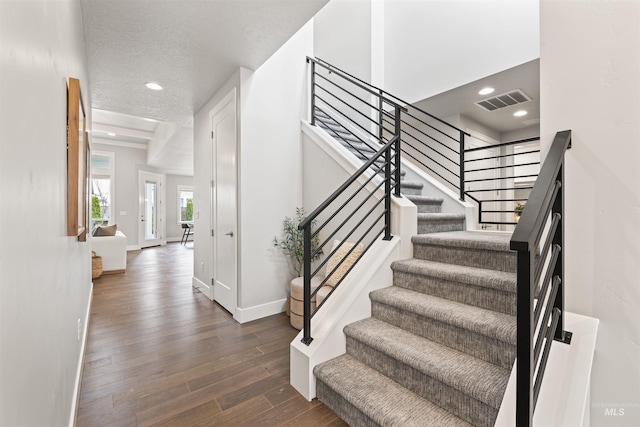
point(545, 355)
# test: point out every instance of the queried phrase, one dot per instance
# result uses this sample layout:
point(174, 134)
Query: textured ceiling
point(461, 100)
point(190, 47)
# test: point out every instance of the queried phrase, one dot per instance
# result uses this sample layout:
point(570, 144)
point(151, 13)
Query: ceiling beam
point(118, 143)
point(121, 131)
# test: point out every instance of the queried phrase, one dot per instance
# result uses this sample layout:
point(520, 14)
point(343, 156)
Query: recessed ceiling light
point(153, 86)
point(520, 113)
point(486, 91)
point(111, 134)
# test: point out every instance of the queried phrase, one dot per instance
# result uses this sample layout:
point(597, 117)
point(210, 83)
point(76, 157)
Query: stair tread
point(342, 135)
point(410, 184)
point(357, 145)
point(383, 400)
point(475, 319)
point(440, 216)
point(482, 277)
point(481, 380)
point(424, 199)
point(484, 240)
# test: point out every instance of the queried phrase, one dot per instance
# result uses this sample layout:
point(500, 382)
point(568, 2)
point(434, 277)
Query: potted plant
point(292, 244)
point(518, 210)
point(292, 241)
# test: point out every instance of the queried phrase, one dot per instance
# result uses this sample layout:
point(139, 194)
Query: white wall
point(528, 132)
point(173, 228)
point(437, 45)
point(273, 100)
point(590, 83)
point(45, 276)
point(342, 36)
point(127, 162)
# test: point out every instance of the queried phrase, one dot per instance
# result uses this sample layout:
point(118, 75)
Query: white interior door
point(224, 209)
point(151, 211)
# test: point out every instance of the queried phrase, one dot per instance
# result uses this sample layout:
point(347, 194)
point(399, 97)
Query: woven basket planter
point(96, 265)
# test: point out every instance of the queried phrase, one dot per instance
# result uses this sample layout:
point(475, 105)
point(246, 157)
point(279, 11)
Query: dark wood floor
point(160, 353)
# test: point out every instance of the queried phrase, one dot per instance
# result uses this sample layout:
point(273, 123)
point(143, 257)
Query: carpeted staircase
point(439, 347)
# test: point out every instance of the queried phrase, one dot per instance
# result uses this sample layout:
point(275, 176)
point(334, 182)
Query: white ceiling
point(461, 100)
point(190, 47)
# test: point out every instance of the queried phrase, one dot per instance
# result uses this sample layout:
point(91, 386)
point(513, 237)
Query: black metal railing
point(382, 127)
point(499, 178)
point(539, 242)
point(349, 110)
point(353, 214)
point(436, 146)
point(433, 144)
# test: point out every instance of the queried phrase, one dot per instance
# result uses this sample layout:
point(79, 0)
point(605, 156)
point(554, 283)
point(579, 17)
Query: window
point(185, 204)
point(102, 178)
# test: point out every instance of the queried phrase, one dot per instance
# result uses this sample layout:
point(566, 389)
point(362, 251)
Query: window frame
point(105, 173)
point(180, 189)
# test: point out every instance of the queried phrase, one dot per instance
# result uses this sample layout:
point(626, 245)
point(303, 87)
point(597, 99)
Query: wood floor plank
point(235, 397)
point(282, 413)
point(239, 413)
point(317, 416)
point(160, 353)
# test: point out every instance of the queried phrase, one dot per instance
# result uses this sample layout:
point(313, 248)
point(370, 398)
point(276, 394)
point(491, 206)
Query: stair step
point(485, 334)
point(466, 386)
point(341, 135)
point(364, 155)
point(362, 396)
point(345, 137)
point(489, 289)
point(411, 188)
point(482, 249)
point(321, 114)
point(426, 204)
point(359, 147)
point(440, 222)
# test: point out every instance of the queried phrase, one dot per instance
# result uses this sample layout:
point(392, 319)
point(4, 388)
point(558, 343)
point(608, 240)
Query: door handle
point(229, 234)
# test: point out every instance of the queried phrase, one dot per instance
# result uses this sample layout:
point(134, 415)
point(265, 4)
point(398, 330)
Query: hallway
point(160, 353)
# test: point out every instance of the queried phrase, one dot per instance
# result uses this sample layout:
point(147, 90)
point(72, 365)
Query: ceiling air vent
point(506, 99)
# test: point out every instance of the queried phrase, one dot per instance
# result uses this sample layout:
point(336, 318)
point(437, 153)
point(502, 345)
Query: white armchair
point(113, 250)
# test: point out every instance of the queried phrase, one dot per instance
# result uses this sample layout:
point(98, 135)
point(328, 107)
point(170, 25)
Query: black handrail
point(354, 80)
point(392, 98)
point(540, 304)
point(504, 144)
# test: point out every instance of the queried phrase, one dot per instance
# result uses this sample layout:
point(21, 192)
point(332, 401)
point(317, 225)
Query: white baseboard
point(133, 248)
point(244, 315)
point(206, 289)
point(76, 388)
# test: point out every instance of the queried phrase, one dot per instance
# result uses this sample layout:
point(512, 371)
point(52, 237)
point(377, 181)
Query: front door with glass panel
point(150, 211)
